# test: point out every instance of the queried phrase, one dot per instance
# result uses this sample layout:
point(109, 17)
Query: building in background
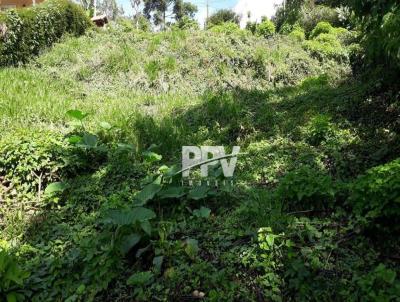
point(254, 10)
point(9, 4)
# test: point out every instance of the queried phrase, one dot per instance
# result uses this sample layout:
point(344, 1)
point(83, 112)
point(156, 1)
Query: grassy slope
point(174, 89)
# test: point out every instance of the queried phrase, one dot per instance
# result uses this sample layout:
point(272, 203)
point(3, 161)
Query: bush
point(297, 34)
point(376, 195)
point(380, 24)
point(265, 29)
point(222, 16)
point(306, 188)
point(28, 31)
point(251, 27)
point(187, 23)
point(226, 28)
point(305, 14)
point(29, 159)
point(321, 28)
point(325, 42)
point(343, 35)
point(379, 284)
point(12, 278)
point(327, 47)
point(311, 16)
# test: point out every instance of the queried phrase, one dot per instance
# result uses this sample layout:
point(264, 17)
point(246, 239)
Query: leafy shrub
point(222, 16)
point(226, 28)
point(286, 28)
point(125, 24)
point(319, 130)
point(187, 23)
point(265, 29)
point(305, 14)
point(327, 42)
point(12, 278)
point(343, 35)
point(142, 23)
point(376, 195)
point(28, 159)
point(321, 28)
point(390, 35)
point(251, 26)
point(310, 16)
point(380, 23)
point(272, 248)
point(326, 46)
point(356, 55)
point(29, 31)
point(297, 34)
point(268, 161)
point(380, 284)
point(307, 188)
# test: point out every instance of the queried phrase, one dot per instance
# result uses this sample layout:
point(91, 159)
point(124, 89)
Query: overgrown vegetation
point(27, 32)
point(92, 207)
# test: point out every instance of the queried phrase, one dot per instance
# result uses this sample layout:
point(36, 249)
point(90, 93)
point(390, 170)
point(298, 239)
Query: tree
point(110, 8)
point(184, 9)
point(157, 10)
point(306, 13)
point(160, 10)
point(88, 4)
point(222, 16)
point(135, 4)
point(265, 29)
point(380, 24)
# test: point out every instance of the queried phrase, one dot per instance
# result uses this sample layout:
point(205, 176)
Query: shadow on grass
point(69, 246)
point(240, 117)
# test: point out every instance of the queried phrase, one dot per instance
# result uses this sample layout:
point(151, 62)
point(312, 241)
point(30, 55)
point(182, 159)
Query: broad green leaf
point(270, 238)
point(142, 214)
point(151, 156)
point(198, 193)
point(202, 212)
point(172, 192)
point(81, 289)
point(105, 125)
point(146, 227)
point(140, 279)
point(129, 216)
point(172, 171)
point(163, 169)
point(89, 140)
point(11, 297)
point(385, 274)
point(128, 242)
point(192, 248)
point(55, 187)
point(74, 139)
point(125, 147)
point(77, 114)
point(148, 193)
point(157, 262)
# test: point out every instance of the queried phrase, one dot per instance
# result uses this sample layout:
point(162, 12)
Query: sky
point(257, 8)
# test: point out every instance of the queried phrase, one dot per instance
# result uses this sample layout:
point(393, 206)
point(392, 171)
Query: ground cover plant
point(91, 131)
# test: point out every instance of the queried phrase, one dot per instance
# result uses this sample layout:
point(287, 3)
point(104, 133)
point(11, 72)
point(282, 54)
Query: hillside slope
point(286, 231)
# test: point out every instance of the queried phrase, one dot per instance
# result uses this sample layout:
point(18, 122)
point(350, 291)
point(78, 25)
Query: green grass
point(304, 122)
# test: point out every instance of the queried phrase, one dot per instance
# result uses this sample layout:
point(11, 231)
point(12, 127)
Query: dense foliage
point(222, 16)
point(25, 33)
point(380, 21)
point(159, 10)
point(92, 207)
